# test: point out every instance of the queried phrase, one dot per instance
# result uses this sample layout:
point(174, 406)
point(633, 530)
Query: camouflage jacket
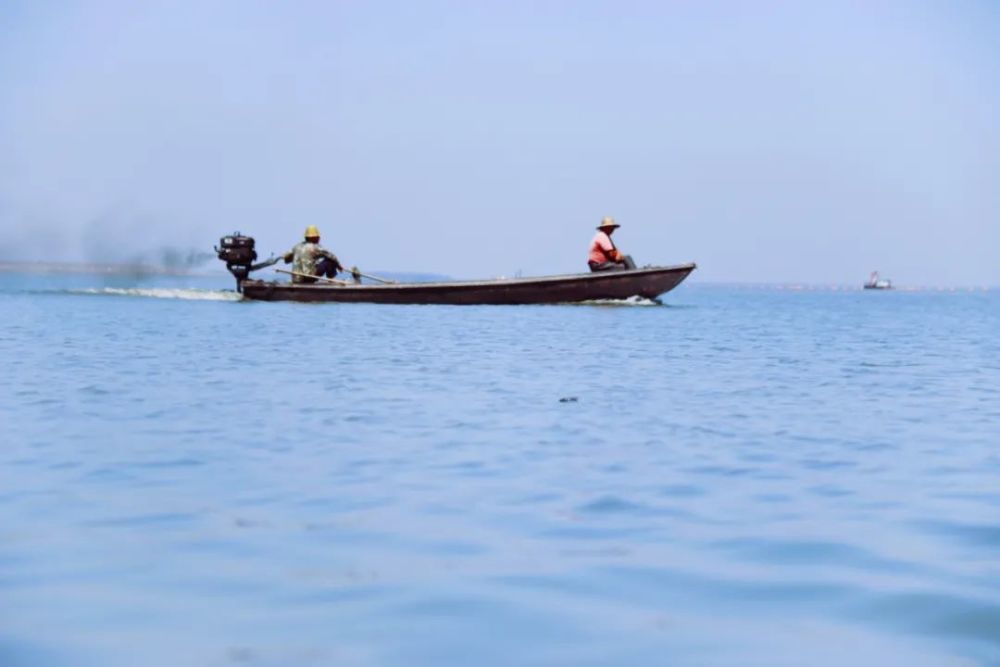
point(304, 257)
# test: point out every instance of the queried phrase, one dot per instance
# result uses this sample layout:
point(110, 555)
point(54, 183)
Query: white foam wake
point(630, 301)
point(163, 293)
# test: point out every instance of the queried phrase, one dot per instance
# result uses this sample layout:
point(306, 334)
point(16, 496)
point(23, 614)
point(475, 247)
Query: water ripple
point(752, 477)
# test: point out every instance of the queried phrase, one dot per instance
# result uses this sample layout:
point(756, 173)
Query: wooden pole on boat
point(323, 278)
point(354, 271)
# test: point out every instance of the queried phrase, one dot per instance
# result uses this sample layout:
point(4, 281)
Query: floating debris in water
point(568, 399)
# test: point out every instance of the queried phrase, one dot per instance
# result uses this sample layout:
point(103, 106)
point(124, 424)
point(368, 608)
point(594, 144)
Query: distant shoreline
point(144, 270)
point(118, 269)
point(845, 287)
point(109, 268)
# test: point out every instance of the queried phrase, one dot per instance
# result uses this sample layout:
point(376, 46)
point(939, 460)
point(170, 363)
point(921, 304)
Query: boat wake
point(188, 294)
point(631, 301)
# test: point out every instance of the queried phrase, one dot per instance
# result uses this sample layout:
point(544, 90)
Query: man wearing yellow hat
point(309, 258)
point(604, 256)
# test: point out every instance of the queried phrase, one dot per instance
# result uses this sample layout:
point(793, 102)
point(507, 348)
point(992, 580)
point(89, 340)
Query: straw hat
point(608, 223)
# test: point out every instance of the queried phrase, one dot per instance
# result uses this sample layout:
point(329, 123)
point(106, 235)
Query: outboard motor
point(237, 251)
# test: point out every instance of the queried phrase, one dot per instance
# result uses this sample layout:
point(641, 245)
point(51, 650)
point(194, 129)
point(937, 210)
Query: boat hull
point(648, 282)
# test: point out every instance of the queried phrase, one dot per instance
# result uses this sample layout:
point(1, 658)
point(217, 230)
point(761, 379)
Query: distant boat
point(874, 282)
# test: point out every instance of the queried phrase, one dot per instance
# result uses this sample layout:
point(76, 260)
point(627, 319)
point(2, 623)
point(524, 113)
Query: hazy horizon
point(776, 143)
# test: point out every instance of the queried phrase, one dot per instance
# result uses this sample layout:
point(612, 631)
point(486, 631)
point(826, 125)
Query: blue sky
point(777, 142)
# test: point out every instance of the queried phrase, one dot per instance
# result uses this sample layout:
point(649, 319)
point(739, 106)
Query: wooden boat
point(649, 282)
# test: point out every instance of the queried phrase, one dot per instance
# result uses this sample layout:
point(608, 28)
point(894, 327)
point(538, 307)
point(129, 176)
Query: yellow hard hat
point(608, 222)
point(312, 232)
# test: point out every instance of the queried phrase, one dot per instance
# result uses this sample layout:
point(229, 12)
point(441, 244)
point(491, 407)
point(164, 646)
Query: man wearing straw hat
point(604, 256)
point(309, 258)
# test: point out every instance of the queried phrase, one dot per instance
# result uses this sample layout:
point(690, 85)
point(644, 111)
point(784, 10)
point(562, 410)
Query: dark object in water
point(648, 282)
point(568, 399)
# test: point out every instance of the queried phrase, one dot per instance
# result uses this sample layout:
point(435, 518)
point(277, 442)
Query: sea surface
point(741, 476)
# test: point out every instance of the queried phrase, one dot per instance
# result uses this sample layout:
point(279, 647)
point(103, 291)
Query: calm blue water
point(746, 477)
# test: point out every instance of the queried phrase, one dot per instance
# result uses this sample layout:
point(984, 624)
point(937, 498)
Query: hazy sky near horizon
point(768, 141)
